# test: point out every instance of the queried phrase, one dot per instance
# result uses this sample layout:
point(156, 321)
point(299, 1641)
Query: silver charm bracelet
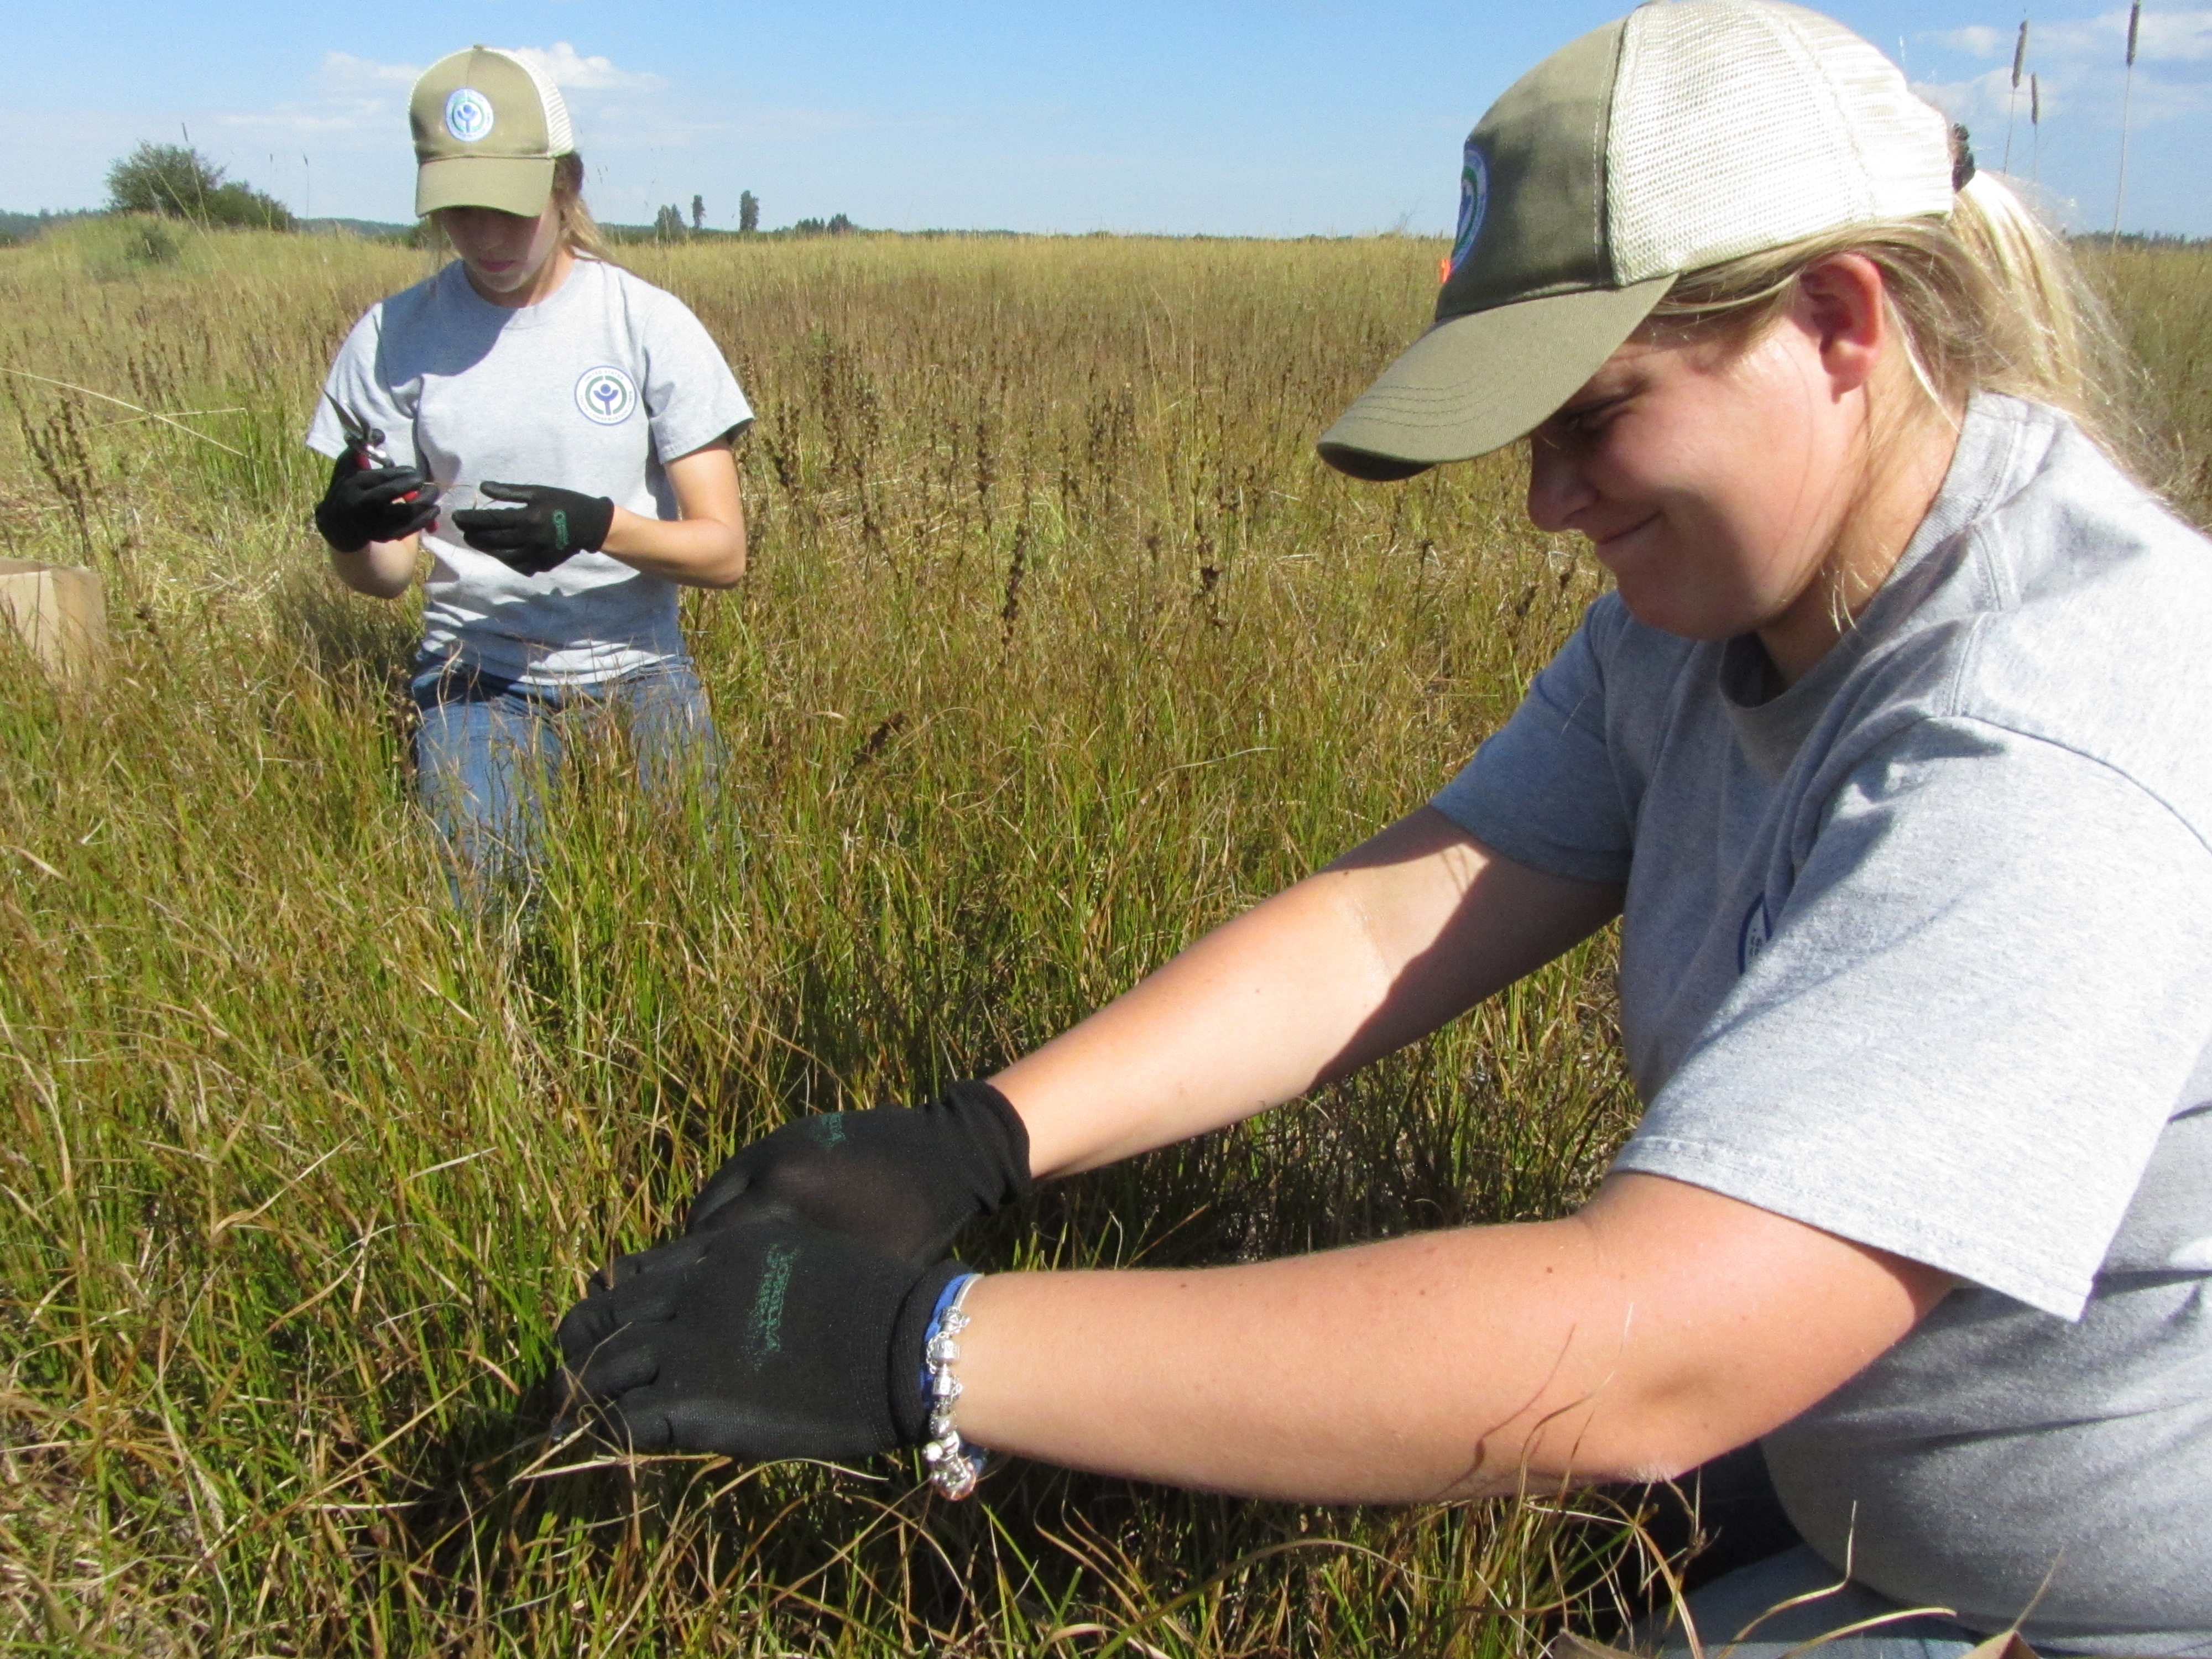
point(955, 1466)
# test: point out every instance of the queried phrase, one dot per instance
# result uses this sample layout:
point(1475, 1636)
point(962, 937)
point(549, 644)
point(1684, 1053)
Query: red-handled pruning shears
point(365, 441)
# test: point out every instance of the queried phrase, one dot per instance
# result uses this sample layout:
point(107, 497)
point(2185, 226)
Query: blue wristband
point(946, 1298)
point(954, 1467)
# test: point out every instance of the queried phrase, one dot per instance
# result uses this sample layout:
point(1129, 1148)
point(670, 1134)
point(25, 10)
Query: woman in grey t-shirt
point(1887, 750)
point(556, 433)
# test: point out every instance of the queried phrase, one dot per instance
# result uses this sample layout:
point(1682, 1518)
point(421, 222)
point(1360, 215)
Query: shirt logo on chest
point(605, 396)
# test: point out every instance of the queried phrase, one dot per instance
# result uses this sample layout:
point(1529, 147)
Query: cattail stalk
point(2035, 122)
point(2012, 101)
point(2127, 97)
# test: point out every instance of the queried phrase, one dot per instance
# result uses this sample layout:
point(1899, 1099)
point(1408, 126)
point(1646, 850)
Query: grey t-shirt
point(1920, 951)
point(594, 388)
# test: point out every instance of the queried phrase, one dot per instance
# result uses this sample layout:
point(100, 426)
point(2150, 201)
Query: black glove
point(549, 526)
point(902, 1181)
point(761, 1342)
point(365, 504)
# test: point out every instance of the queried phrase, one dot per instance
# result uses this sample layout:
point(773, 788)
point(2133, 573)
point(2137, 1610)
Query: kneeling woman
point(1888, 750)
point(589, 415)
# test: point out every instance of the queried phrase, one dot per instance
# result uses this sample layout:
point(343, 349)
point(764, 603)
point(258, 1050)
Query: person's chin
point(1641, 569)
point(1662, 603)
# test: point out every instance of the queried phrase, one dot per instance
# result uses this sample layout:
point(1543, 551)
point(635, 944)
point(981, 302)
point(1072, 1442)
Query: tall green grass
point(1059, 647)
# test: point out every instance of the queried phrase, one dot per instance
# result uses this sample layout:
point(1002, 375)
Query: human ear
point(1841, 303)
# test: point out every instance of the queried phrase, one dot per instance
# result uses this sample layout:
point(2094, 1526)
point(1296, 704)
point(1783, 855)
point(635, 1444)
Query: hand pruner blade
point(367, 442)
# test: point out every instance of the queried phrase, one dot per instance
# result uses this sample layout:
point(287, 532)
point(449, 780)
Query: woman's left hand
point(549, 526)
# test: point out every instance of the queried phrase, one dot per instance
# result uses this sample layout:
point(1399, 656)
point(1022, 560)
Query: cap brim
point(1475, 383)
point(513, 184)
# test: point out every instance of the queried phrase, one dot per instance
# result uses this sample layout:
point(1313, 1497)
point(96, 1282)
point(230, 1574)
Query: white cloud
point(1977, 40)
point(360, 95)
point(1977, 98)
point(2169, 36)
point(2175, 36)
point(2080, 63)
point(353, 96)
point(341, 74)
point(566, 68)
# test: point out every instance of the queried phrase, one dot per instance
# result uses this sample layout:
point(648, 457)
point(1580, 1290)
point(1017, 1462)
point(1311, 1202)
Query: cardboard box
point(60, 613)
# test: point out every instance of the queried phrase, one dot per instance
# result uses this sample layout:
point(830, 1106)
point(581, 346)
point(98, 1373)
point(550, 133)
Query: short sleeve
point(1976, 1012)
point(691, 397)
point(356, 382)
point(1542, 790)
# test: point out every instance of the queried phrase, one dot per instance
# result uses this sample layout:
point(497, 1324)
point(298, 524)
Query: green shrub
point(177, 182)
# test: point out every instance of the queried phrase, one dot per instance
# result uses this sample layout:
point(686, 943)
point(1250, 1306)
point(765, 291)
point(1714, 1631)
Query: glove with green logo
point(548, 526)
point(765, 1341)
point(901, 1180)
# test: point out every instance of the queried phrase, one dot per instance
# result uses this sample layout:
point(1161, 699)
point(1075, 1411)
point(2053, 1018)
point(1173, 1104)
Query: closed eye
point(1588, 417)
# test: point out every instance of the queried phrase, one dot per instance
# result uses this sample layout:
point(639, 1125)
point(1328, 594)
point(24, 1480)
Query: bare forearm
point(382, 570)
point(1660, 1326)
point(1413, 927)
point(1220, 1033)
point(701, 552)
point(1368, 1375)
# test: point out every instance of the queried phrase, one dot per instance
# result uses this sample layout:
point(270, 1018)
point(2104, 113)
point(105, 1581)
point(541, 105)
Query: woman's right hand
point(901, 1180)
point(365, 504)
point(766, 1341)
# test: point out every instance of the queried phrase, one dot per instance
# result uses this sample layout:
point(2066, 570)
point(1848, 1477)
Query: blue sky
point(1236, 118)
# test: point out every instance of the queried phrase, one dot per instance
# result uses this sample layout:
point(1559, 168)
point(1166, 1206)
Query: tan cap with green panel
point(488, 126)
point(1675, 137)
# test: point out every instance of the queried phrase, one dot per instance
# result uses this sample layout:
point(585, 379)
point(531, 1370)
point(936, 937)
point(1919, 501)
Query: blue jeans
point(489, 753)
point(1729, 1606)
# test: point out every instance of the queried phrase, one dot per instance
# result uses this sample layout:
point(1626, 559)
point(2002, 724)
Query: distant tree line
point(668, 223)
point(2150, 239)
point(27, 226)
point(175, 181)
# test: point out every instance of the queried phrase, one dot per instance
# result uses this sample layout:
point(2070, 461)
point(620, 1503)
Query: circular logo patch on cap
point(468, 115)
point(606, 395)
point(1473, 203)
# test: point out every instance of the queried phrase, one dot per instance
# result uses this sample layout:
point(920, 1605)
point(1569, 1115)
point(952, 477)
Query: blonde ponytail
point(1986, 299)
point(579, 230)
point(2051, 338)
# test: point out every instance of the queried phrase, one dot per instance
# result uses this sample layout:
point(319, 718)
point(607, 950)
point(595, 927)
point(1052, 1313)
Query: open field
point(1059, 647)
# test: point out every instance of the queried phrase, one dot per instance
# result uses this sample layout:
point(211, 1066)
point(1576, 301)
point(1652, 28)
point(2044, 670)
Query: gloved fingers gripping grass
point(901, 1180)
point(771, 1339)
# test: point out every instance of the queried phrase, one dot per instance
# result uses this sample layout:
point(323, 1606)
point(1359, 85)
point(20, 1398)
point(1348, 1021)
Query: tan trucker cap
point(487, 127)
point(1673, 138)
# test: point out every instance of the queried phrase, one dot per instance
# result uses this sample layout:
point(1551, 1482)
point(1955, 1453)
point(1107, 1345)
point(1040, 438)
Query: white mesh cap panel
point(560, 136)
point(1742, 125)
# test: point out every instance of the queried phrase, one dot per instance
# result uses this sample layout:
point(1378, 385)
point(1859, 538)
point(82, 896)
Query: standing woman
point(590, 416)
point(1889, 751)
